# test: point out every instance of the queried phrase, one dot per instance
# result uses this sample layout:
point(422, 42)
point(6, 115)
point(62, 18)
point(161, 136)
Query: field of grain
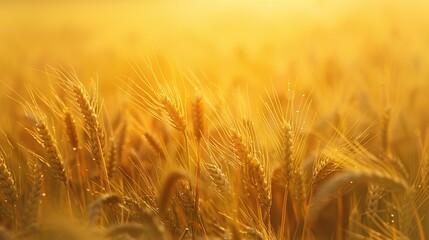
point(214, 119)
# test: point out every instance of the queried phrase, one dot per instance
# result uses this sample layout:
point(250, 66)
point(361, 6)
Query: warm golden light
point(214, 119)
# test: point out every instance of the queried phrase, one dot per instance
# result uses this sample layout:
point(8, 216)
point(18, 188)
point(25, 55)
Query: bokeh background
point(368, 55)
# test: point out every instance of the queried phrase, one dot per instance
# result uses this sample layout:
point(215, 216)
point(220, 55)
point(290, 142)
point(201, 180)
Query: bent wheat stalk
point(336, 183)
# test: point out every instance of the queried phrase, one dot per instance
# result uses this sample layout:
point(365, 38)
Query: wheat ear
point(186, 198)
point(154, 144)
point(219, 179)
point(259, 181)
point(176, 118)
point(299, 189)
point(97, 136)
point(7, 183)
point(71, 130)
point(32, 206)
point(95, 132)
point(198, 117)
point(288, 151)
point(323, 167)
point(239, 147)
point(112, 158)
point(55, 162)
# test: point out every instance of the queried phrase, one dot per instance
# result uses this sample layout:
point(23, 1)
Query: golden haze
point(214, 119)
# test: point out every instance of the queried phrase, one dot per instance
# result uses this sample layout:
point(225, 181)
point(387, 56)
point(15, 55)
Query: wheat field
point(214, 119)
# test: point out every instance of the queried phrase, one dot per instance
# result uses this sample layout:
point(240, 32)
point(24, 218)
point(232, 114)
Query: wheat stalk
point(341, 180)
point(94, 209)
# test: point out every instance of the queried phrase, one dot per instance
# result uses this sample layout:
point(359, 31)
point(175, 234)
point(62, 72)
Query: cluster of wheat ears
point(182, 162)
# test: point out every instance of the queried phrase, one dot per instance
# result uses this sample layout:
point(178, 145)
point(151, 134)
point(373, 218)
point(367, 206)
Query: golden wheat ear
point(95, 131)
point(288, 151)
point(54, 159)
point(154, 144)
point(71, 130)
point(198, 115)
point(220, 181)
point(112, 158)
point(7, 183)
point(259, 180)
point(33, 199)
point(176, 117)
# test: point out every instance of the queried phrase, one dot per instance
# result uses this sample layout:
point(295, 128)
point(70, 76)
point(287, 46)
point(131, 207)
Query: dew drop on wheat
point(43, 194)
point(74, 149)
